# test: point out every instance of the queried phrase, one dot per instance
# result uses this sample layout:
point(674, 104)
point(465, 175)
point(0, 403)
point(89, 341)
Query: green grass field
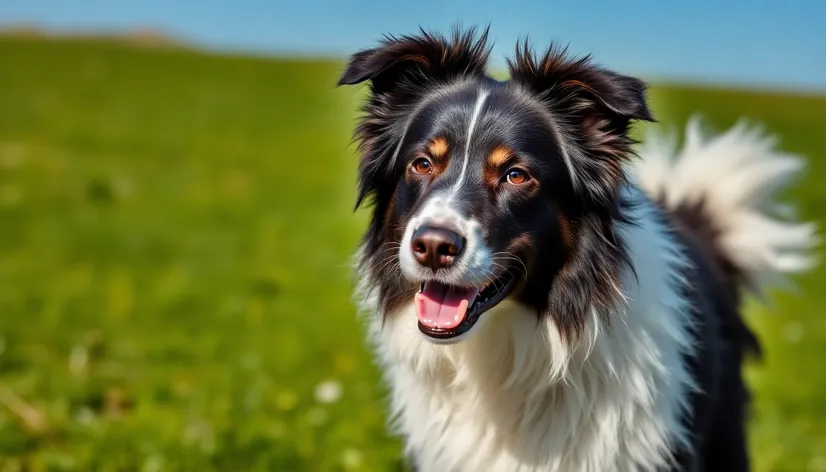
point(175, 233)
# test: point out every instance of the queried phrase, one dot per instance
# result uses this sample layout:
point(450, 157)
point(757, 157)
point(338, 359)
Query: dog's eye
point(517, 176)
point(422, 166)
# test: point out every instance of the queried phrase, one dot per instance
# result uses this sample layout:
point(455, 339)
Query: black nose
point(437, 248)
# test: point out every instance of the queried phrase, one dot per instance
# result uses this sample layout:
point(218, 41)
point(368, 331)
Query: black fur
point(553, 104)
point(401, 71)
point(714, 286)
point(567, 121)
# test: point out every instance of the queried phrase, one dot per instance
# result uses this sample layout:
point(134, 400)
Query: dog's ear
point(399, 71)
point(591, 109)
point(410, 61)
point(592, 106)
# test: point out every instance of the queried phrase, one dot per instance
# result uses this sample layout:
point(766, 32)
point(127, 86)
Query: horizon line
point(152, 36)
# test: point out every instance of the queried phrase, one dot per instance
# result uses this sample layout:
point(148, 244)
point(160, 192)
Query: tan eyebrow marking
point(499, 156)
point(438, 147)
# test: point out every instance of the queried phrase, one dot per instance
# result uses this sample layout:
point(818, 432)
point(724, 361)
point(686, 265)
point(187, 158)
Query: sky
point(758, 44)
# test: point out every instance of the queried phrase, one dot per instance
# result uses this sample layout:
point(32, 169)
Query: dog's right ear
point(407, 62)
point(400, 71)
point(594, 108)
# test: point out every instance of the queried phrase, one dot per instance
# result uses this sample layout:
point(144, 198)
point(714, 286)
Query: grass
point(175, 233)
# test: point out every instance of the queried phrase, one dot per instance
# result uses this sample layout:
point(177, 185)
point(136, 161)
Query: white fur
point(474, 267)
point(739, 173)
point(412, 114)
point(477, 112)
point(515, 396)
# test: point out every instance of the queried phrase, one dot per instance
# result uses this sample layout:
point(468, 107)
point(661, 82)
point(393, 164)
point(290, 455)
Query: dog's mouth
point(446, 312)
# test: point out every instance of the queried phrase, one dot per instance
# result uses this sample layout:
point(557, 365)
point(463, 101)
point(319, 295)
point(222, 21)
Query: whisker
point(387, 262)
point(507, 256)
point(493, 279)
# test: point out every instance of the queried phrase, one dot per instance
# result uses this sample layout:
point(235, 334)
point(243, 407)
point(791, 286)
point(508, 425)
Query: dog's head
point(486, 190)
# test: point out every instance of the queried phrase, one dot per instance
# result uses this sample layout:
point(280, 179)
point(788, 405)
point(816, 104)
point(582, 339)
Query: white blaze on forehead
point(477, 112)
point(474, 267)
point(438, 211)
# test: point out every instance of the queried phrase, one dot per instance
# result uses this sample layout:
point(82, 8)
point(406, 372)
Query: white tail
point(736, 176)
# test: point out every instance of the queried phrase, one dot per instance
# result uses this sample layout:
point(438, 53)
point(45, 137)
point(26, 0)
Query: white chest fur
point(514, 396)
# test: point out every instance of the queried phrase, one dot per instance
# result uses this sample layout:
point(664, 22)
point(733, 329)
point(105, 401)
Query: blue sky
point(776, 44)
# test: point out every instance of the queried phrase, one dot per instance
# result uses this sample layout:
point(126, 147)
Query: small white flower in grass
point(328, 391)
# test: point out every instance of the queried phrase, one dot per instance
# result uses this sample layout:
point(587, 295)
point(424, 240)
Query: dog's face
point(487, 190)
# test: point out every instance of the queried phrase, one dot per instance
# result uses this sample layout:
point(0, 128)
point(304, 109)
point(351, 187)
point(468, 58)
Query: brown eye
point(422, 166)
point(517, 176)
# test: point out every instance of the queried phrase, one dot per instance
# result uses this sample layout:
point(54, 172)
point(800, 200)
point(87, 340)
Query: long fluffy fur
point(734, 178)
point(533, 401)
point(519, 396)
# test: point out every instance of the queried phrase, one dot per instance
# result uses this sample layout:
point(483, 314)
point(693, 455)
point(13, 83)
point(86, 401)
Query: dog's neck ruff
point(515, 396)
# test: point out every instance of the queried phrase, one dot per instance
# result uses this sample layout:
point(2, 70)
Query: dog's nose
point(437, 248)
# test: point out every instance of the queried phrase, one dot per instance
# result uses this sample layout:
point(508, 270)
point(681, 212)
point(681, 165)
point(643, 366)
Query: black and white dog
point(537, 301)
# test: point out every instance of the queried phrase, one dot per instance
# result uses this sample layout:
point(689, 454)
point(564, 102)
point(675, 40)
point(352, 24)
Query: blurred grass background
point(175, 236)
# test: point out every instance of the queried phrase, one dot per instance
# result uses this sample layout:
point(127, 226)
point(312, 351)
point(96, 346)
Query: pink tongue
point(441, 306)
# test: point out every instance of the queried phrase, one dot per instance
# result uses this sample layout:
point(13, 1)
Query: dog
point(541, 294)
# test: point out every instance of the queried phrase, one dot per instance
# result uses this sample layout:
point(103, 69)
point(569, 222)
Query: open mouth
point(446, 312)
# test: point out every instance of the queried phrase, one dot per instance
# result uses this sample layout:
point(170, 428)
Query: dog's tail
point(723, 189)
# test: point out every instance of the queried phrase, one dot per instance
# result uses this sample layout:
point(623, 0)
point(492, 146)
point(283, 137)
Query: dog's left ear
point(411, 61)
point(400, 71)
point(593, 106)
